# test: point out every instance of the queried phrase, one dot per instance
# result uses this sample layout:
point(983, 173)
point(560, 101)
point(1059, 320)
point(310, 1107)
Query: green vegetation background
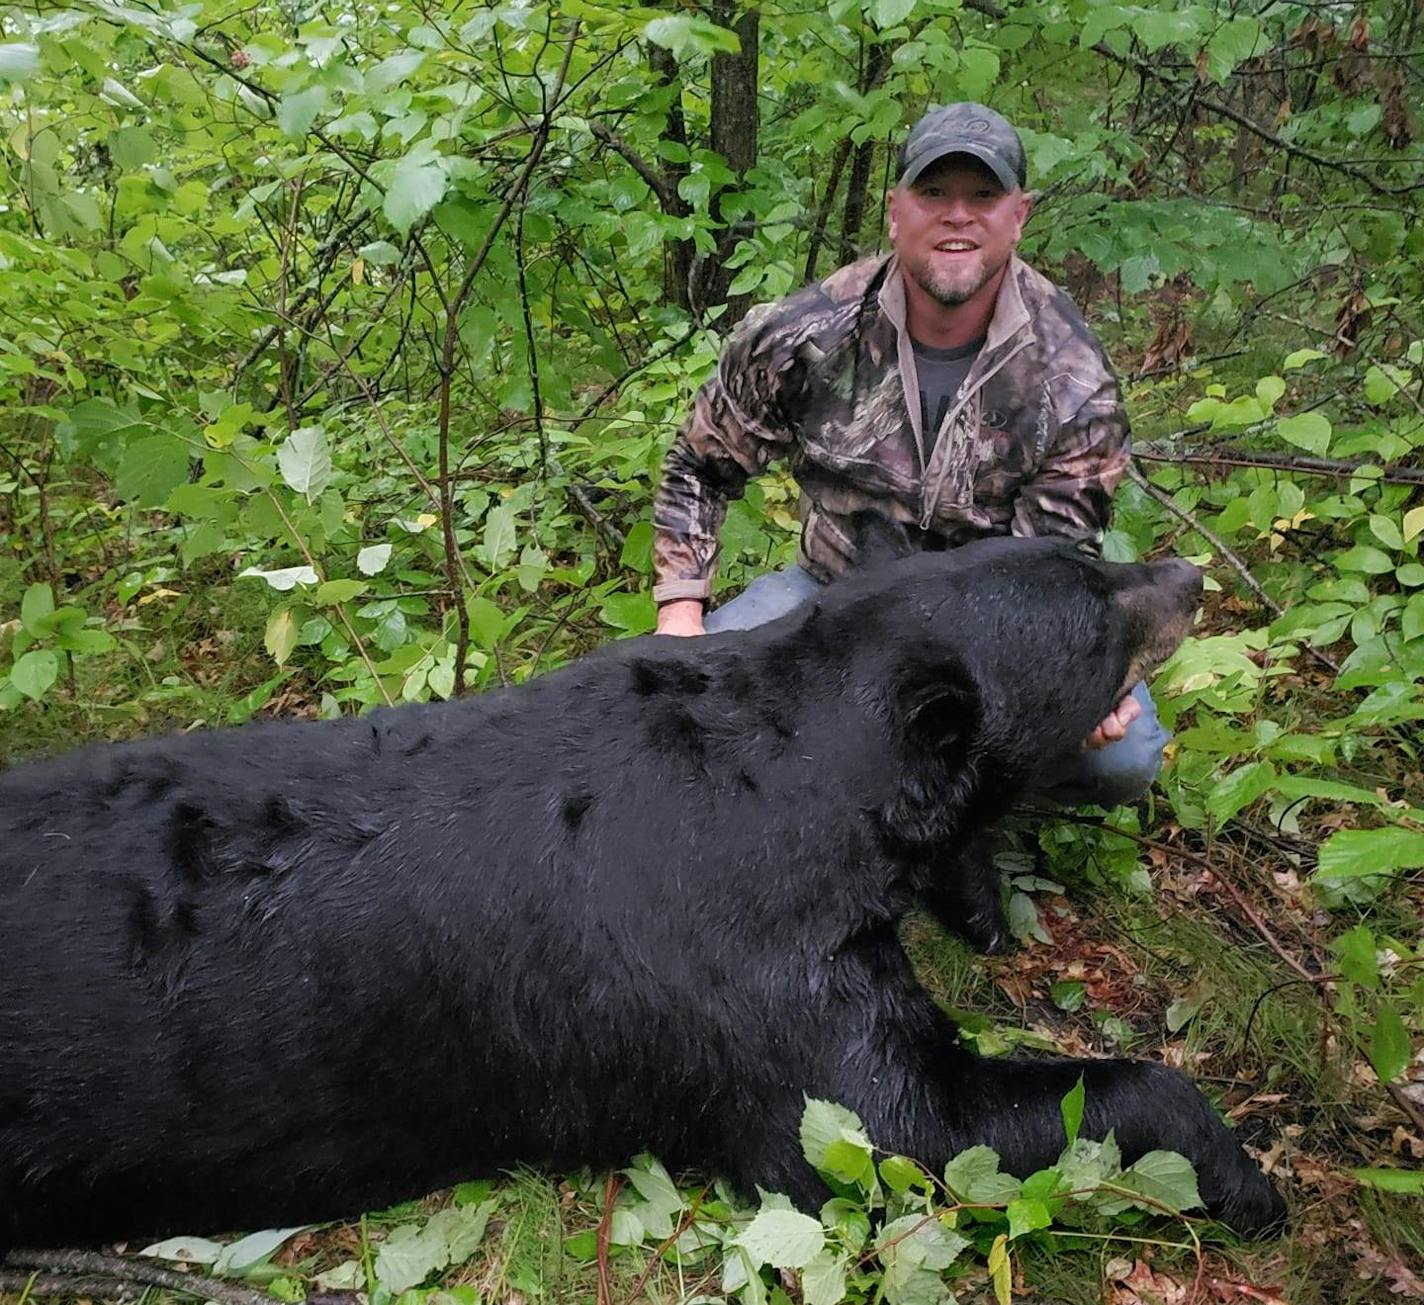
point(339, 346)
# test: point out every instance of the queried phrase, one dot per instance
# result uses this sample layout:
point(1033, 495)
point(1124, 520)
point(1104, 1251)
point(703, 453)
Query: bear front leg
point(963, 894)
point(1013, 1105)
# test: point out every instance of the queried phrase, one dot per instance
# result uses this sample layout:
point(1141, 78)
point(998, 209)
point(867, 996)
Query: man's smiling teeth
point(956, 246)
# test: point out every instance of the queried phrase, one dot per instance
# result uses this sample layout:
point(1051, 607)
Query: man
point(947, 388)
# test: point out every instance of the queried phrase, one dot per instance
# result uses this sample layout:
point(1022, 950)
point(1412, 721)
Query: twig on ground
point(84, 1273)
point(1230, 556)
point(611, 1188)
point(1228, 456)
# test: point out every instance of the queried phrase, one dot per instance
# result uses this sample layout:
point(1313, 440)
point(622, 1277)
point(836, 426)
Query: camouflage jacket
point(1033, 444)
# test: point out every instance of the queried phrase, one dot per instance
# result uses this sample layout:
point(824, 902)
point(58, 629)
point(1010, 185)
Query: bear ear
point(941, 704)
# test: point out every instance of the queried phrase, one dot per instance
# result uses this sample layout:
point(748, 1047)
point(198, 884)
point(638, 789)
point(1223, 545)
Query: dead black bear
point(294, 971)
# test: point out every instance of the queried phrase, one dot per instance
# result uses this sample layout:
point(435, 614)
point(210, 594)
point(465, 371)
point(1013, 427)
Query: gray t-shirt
point(941, 372)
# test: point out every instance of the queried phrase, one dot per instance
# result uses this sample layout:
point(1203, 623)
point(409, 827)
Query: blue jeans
point(1105, 777)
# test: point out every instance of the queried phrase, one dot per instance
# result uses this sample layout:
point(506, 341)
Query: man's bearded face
point(955, 228)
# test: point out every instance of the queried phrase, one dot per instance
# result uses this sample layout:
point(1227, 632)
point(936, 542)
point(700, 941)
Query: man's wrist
point(680, 616)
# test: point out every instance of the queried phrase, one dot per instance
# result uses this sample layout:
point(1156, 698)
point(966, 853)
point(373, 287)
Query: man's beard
point(947, 289)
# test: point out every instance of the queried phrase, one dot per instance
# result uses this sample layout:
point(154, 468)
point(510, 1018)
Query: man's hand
point(1115, 726)
point(682, 616)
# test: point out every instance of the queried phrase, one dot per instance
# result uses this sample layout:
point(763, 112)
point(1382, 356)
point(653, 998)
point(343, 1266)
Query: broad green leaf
point(1410, 1182)
point(1380, 386)
point(1163, 1177)
point(1413, 523)
point(1268, 390)
point(18, 60)
point(36, 607)
point(499, 536)
point(901, 1174)
point(1389, 1044)
point(1239, 789)
point(282, 579)
point(1306, 430)
point(1071, 1108)
point(973, 1175)
point(407, 1257)
point(1364, 557)
point(305, 461)
point(35, 672)
point(1356, 853)
point(686, 34)
point(824, 1122)
point(1386, 531)
point(1411, 623)
point(1026, 1216)
point(417, 185)
point(486, 621)
point(785, 1239)
point(891, 13)
point(339, 591)
point(1300, 357)
point(297, 111)
point(280, 637)
point(638, 547)
point(152, 468)
point(462, 1227)
point(372, 559)
point(1358, 956)
point(921, 1240)
point(823, 1280)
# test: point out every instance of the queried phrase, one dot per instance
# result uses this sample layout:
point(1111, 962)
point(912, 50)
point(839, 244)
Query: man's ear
point(890, 211)
point(1024, 209)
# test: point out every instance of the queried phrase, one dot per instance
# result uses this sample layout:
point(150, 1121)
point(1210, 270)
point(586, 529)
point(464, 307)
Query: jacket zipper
point(929, 496)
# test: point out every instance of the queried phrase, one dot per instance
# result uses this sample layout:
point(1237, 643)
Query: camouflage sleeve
point(737, 425)
point(1071, 493)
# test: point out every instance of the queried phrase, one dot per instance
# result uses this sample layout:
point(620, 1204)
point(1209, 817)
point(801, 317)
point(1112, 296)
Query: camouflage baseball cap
point(965, 129)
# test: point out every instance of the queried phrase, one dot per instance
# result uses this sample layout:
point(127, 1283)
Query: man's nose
point(957, 213)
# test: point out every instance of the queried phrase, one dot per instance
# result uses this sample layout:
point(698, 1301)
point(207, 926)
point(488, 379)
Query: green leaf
point(417, 185)
point(891, 13)
point(305, 461)
point(18, 60)
point(1268, 390)
point(685, 34)
point(1411, 623)
point(1357, 953)
point(1026, 1216)
point(1364, 558)
point(252, 1249)
point(1306, 430)
point(1357, 853)
point(499, 536)
point(486, 621)
point(1163, 1177)
point(785, 1239)
point(282, 579)
point(1071, 1108)
point(36, 607)
point(902, 1175)
point(1300, 357)
point(339, 591)
point(1239, 789)
point(35, 672)
point(372, 559)
point(638, 547)
point(1380, 387)
point(297, 110)
point(1389, 1044)
point(823, 1280)
point(973, 1175)
point(151, 469)
point(280, 637)
point(1413, 523)
point(1410, 1182)
point(824, 1122)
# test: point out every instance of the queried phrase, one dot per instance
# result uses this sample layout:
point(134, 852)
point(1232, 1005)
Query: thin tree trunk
point(734, 136)
point(876, 63)
point(823, 213)
point(677, 254)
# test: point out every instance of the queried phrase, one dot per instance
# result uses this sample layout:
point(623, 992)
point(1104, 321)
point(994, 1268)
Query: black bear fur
point(294, 971)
